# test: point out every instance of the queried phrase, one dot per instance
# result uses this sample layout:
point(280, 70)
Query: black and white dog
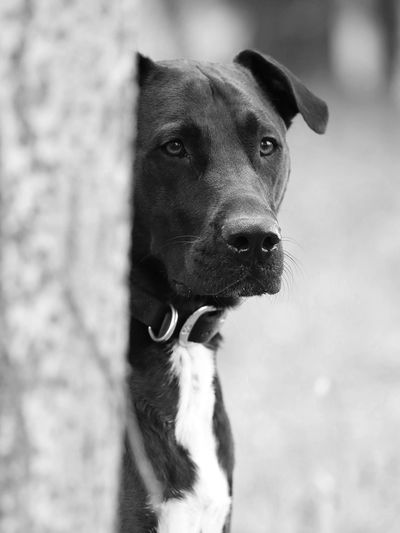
point(212, 165)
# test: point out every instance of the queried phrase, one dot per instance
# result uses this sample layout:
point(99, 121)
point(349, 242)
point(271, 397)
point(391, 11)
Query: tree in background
point(65, 169)
point(364, 38)
point(296, 32)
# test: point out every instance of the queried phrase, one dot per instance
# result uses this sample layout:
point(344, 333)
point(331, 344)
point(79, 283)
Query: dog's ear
point(144, 65)
point(288, 94)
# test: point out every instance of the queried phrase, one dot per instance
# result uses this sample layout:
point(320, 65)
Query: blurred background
point(312, 375)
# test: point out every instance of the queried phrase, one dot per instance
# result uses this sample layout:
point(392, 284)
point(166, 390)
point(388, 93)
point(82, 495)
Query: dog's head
point(211, 170)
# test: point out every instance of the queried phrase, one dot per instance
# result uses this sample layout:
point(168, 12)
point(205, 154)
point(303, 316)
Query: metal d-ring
point(187, 327)
point(173, 320)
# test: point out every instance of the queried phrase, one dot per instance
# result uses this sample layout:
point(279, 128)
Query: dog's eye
point(268, 145)
point(174, 148)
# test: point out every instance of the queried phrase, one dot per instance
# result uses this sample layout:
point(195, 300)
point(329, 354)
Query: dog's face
point(211, 170)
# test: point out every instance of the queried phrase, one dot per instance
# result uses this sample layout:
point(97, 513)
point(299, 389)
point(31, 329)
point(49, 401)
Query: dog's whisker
point(176, 242)
point(293, 261)
point(290, 254)
point(169, 244)
point(290, 261)
point(290, 240)
point(283, 292)
point(287, 276)
point(179, 240)
point(288, 268)
point(229, 285)
point(177, 237)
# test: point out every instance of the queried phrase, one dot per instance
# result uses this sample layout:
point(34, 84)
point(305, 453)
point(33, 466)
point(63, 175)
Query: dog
point(211, 170)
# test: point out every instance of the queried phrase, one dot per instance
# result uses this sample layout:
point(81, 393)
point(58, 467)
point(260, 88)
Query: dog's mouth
point(252, 286)
point(246, 283)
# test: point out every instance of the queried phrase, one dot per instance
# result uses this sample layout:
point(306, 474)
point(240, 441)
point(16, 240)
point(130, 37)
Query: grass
point(312, 376)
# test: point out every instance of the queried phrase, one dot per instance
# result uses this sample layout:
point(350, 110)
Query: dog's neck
point(150, 288)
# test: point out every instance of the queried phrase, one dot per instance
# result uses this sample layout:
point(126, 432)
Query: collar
point(166, 321)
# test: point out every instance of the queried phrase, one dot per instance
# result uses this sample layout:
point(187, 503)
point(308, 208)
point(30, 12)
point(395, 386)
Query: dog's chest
point(204, 509)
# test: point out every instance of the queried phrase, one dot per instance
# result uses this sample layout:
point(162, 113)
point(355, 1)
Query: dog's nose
point(251, 237)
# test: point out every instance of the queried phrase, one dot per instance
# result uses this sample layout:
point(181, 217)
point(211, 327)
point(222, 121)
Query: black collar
point(184, 322)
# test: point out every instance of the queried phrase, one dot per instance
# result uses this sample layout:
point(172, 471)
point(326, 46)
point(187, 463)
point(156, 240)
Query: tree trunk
point(66, 109)
point(388, 12)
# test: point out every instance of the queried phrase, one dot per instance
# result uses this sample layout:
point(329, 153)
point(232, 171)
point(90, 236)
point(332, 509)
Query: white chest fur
point(205, 508)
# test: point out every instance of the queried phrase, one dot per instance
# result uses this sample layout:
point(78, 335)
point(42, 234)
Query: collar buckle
point(167, 327)
point(170, 321)
point(188, 326)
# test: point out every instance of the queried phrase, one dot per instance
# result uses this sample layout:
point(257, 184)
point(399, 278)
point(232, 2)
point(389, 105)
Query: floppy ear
point(144, 66)
point(288, 94)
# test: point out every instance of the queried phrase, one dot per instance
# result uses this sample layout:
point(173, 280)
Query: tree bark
point(66, 110)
